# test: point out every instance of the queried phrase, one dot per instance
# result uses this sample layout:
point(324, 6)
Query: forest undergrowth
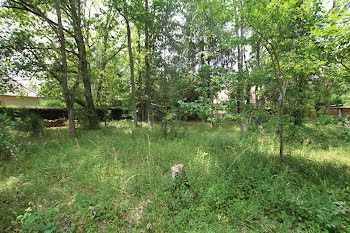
point(117, 179)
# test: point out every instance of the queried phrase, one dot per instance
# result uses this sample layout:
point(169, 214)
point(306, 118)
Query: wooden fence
point(334, 111)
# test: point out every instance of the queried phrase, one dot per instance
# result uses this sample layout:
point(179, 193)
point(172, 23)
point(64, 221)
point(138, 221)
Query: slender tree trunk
point(99, 90)
point(64, 80)
point(142, 104)
point(83, 63)
point(241, 57)
point(102, 69)
point(147, 72)
point(256, 105)
point(283, 87)
point(240, 93)
point(282, 131)
point(132, 79)
point(165, 121)
point(257, 86)
point(100, 82)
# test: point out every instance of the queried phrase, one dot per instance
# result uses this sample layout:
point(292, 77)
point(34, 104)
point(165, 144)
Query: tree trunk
point(142, 104)
point(147, 73)
point(240, 94)
point(102, 69)
point(70, 113)
point(165, 97)
point(283, 87)
point(99, 90)
point(68, 99)
point(131, 59)
point(282, 132)
point(83, 63)
point(165, 120)
point(257, 86)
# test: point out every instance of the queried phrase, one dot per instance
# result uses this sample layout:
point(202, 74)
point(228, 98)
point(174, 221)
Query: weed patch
point(118, 179)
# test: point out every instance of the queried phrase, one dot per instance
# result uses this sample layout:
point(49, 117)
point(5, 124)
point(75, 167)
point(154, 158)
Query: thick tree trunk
point(70, 112)
point(68, 98)
point(92, 116)
point(83, 63)
point(147, 72)
point(132, 79)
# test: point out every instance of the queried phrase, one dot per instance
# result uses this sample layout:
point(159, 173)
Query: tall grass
point(118, 179)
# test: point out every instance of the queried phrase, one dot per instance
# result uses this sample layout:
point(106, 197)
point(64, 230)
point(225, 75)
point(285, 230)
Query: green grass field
point(108, 180)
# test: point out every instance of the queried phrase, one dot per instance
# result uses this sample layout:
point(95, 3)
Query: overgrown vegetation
point(256, 70)
point(6, 141)
point(29, 122)
point(108, 180)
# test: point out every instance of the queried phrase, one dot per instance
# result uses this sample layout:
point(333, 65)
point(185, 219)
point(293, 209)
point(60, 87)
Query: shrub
point(326, 120)
point(52, 104)
point(30, 122)
point(39, 221)
point(6, 141)
point(81, 117)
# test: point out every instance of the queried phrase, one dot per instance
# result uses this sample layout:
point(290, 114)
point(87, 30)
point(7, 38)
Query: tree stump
point(178, 169)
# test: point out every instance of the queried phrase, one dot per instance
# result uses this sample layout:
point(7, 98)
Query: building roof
point(20, 91)
point(22, 94)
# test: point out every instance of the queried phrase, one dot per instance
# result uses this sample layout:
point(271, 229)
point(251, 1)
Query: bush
point(29, 122)
point(81, 117)
point(38, 221)
point(52, 104)
point(6, 141)
point(326, 120)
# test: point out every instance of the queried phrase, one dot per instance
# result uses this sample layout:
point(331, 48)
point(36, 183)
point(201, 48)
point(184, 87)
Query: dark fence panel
point(50, 114)
point(56, 113)
point(115, 114)
point(334, 111)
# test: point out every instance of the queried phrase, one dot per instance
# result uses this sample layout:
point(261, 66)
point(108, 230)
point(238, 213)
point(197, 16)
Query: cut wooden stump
point(178, 175)
point(178, 169)
point(55, 123)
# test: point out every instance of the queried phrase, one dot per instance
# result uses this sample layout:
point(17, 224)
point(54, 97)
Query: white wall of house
point(6, 100)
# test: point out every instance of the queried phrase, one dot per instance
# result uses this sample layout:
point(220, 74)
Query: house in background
point(20, 97)
point(26, 99)
point(19, 94)
point(339, 111)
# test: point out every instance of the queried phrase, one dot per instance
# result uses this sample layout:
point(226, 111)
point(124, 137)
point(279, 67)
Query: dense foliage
point(185, 51)
point(6, 141)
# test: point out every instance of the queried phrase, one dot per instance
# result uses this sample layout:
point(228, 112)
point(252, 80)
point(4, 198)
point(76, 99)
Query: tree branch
point(22, 5)
point(116, 53)
point(347, 68)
